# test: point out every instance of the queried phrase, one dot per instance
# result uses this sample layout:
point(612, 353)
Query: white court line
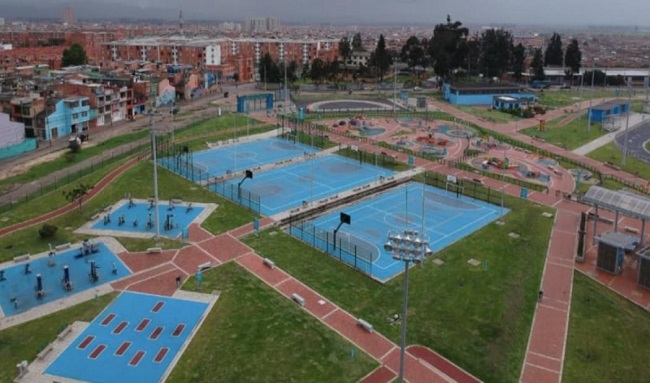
point(384, 200)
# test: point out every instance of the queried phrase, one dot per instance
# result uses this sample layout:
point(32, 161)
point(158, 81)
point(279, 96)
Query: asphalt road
point(636, 138)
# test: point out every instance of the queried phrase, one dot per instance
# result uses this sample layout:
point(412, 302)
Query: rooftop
point(607, 105)
point(630, 204)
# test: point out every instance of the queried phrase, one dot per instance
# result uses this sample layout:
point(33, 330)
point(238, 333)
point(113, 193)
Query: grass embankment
point(253, 334)
point(63, 161)
point(608, 336)
point(611, 153)
point(569, 136)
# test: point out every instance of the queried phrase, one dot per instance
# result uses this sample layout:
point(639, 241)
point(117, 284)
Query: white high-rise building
point(2, 21)
point(261, 24)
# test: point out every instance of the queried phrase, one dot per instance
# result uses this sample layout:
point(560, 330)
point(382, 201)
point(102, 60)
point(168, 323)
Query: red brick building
point(224, 55)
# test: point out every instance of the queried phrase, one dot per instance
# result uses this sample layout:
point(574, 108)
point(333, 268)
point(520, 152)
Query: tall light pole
point(627, 122)
point(647, 85)
point(155, 176)
point(409, 248)
point(395, 89)
point(591, 97)
point(284, 56)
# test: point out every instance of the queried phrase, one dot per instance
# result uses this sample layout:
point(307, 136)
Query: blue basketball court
point(17, 290)
point(447, 219)
point(139, 217)
point(248, 155)
point(134, 340)
point(319, 177)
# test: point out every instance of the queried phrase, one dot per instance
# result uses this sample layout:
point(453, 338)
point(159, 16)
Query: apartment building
point(225, 56)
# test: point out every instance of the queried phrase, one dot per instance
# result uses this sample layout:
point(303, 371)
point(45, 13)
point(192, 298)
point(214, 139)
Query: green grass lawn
point(608, 336)
point(24, 341)
point(611, 153)
point(214, 124)
point(479, 318)
point(488, 114)
point(570, 136)
point(562, 98)
point(138, 182)
point(253, 334)
point(53, 200)
point(46, 168)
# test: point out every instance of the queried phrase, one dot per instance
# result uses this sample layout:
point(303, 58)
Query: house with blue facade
point(601, 112)
point(484, 93)
point(72, 116)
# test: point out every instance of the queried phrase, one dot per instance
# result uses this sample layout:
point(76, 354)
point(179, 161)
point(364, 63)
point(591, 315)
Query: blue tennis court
point(248, 155)
point(135, 339)
point(447, 219)
point(288, 187)
point(139, 217)
point(18, 292)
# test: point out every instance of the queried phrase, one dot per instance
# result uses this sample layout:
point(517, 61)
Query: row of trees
point(451, 51)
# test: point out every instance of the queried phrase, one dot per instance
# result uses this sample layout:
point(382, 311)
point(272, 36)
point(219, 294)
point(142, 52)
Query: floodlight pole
point(394, 89)
point(647, 84)
point(284, 54)
point(155, 178)
point(591, 96)
point(627, 123)
point(405, 299)
point(411, 247)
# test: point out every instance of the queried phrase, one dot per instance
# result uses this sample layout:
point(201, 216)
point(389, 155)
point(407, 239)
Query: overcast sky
point(555, 12)
point(621, 12)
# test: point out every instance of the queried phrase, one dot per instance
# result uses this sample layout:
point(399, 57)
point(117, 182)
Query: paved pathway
point(636, 119)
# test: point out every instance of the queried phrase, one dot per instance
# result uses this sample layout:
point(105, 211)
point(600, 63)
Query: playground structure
point(433, 138)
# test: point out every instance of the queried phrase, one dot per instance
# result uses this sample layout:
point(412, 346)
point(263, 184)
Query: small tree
point(538, 65)
point(47, 231)
point(518, 61)
point(75, 55)
point(74, 145)
point(77, 194)
point(357, 43)
point(554, 54)
point(573, 58)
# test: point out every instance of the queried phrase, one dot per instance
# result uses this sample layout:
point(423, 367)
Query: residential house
point(71, 116)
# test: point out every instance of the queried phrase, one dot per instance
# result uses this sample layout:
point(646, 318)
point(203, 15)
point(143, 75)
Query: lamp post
point(591, 96)
point(155, 176)
point(409, 248)
point(627, 122)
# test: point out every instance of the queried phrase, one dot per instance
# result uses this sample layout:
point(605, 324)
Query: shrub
point(47, 231)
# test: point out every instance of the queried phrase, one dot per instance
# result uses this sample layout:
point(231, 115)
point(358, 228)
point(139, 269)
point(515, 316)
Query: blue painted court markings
point(133, 340)
point(179, 218)
point(249, 155)
point(287, 187)
point(447, 219)
point(21, 286)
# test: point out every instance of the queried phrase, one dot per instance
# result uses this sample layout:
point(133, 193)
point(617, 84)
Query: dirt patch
point(25, 166)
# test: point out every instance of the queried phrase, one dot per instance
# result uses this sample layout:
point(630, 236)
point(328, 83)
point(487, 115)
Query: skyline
point(417, 12)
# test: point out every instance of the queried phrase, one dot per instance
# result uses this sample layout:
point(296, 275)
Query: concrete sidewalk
point(635, 119)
